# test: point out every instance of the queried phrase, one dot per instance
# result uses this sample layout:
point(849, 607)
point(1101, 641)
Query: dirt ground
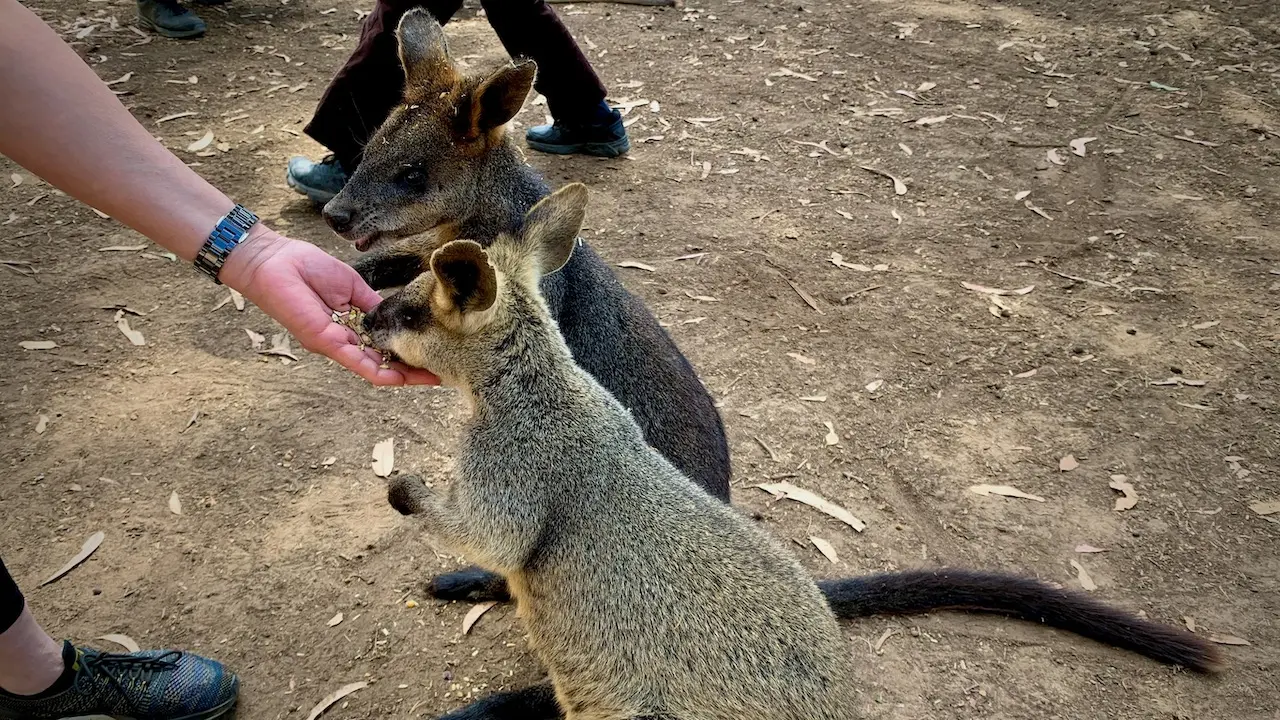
point(1147, 345)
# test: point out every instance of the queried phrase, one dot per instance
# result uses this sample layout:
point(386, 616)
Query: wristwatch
point(229, 233)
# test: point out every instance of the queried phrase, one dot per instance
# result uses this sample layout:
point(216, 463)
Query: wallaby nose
point(340, 219)
point(369, 320)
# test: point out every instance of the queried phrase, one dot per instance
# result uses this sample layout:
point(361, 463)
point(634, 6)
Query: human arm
point(61, 122)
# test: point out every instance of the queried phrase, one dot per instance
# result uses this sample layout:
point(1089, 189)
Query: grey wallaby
point(645, 597)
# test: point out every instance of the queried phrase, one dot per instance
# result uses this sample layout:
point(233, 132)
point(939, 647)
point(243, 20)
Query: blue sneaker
point(170, 19)
point(602, 139)
point(319, 181)
point(147, 685)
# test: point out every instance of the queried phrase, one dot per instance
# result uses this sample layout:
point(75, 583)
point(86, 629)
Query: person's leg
point(30, 660)
point(359, 98)
point(42, 679)
point(575, 95)
point(170, 19)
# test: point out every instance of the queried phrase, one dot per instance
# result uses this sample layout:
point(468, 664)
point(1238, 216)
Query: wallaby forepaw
point(405, 492)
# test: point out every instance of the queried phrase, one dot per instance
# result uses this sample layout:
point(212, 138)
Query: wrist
point(259, 244)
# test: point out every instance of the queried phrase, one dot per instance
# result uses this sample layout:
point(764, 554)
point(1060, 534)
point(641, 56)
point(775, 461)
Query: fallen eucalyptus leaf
point(86, 550)
point(384, 457)
point(123, 641)
point(334, 697)
point(1004, 490)
point(813, 500)
point(827, 549)
point(473, 615)
point(1086, 581)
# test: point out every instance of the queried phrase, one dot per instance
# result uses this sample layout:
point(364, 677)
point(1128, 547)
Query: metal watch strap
point(229, 233)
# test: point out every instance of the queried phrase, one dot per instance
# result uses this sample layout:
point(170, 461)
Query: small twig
point(1098, 283)
point(772, 455)
point(845, 300)
point(1019, 143)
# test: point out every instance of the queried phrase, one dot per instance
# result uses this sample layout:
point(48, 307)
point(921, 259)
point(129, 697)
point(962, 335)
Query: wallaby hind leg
point(472, 584)
point(536, 702)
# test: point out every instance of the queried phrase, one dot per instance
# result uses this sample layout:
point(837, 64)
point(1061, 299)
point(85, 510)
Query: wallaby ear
point(499, 97)
point(424, 54)
point(465, 280)
point(551, 227)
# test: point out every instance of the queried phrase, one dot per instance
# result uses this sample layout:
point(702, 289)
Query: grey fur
point(642, 594)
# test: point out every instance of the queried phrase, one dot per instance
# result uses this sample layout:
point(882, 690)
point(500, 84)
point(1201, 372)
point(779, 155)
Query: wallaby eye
point(413, 179)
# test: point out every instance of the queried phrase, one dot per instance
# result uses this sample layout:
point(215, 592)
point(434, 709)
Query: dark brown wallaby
point(644, 596)
point(443, 166)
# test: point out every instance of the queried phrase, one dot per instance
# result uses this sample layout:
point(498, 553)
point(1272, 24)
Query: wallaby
point(645, 597)
point(442, 165)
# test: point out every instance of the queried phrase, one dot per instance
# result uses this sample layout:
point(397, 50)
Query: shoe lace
point(129, 673)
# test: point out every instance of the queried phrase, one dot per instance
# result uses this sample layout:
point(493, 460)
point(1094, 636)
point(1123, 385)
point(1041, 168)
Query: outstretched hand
point(301, 286)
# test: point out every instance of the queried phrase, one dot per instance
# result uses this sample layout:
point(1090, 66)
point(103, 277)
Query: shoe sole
point(610, 149)
point(224, 710)
point(173, 34)
point(317, 196)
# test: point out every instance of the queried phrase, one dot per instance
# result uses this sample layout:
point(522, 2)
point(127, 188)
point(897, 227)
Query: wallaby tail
point(915, 591)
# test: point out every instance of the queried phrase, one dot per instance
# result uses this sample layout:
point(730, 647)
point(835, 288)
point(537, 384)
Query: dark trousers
point(366, 89)
point(11, 602)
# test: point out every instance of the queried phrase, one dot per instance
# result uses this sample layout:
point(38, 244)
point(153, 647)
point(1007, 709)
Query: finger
point(366, 364)
point(415, 376)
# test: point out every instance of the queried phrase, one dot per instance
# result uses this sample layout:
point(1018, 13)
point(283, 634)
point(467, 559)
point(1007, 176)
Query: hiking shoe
point(319, 181)
point(147, 685)
point(169, 19)
point(605, 139)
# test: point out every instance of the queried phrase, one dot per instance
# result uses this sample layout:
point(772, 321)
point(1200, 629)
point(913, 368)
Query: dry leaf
point(1077, 145)
point(1036, 209)
point(85, 551)
point(384, 457)
point(1227, 639)
point(827, 549)
point(1082, 575)
point(474, 614)
point(202, 143)
point(122, 248)
point(996, 291)
point(255, 339)
point(1085, 548)
point(806, 297)
point(237, 299)
point(38, 344)
point(831, 437)
point(701, 298)
point(1206, 325)
point(1118, 482)
point(789, 491)
point(1021, 194)
point(1027, 374)
point(335, 620)
point(637, 265)
point(899, 187)
point(280, 346)
point(334, 697)
point(874, 385)
point(1068, 463)
point(122, 324)
point(838, 260)
point(329, 461)
point(42, 423)
point(16, 178)
point(123, 641)
point(934, 120)
point(1190, 622)
point(801, 358)
point(1054, 157)
point(814, 398)
point(1266, 508)
point(175, 505)
point(1005, 490)
point(1050, 102)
